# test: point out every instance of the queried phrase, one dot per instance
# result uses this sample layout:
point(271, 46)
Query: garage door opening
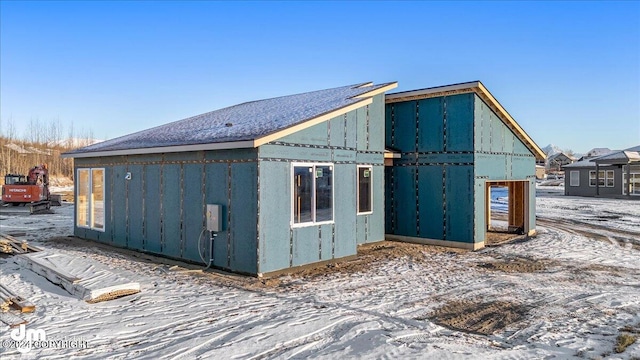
point(506, 209)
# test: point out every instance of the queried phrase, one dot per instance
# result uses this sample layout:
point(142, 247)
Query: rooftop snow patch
point(240, 123)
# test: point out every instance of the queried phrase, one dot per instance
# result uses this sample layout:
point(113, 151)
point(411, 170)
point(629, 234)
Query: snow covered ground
point(568, 293)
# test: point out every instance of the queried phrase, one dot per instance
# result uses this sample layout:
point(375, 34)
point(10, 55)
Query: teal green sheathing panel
point(459, 112)
point(351, 132)
point(216, 192)
point(314, 135)
point(243, 214)
point(326, 241)
point(405, 200)
point(405, 126)
point(193, 211)
point(430, 125)
point(337, 133)
point(361, 129)
point(362, 229)
point(119, 208)
point(459, 207)
point(479, 208)
point(235, 154)
point(523, 167)
point(389, 141)
point(295, 153)
point(430, 201)
point(345, 210)
point(520, 148)
point(171, 208)
point(305, 245)
point(389, 209)
point(275, 215)
point(135, 214)
point(376, 124)
point(152, 208)
point(376, 219)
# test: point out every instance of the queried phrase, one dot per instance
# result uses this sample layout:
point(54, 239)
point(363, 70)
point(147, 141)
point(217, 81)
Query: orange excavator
point(32, 190)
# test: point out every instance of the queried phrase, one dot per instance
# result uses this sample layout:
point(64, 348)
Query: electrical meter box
point(214, 217)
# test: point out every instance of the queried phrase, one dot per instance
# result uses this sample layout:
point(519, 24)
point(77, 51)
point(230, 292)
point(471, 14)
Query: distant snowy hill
point(552, 149)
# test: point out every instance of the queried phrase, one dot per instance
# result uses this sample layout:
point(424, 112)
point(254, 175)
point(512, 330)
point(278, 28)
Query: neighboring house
point(615, 174)
point(456, 142)
point(556, 161)
point(541, 172)
point(594, 153)
point(299, 178)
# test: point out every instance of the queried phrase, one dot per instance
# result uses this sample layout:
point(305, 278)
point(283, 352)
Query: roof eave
point(164, 149)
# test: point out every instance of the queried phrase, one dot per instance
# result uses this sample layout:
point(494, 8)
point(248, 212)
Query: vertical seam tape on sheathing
point(144, 209)
point(112, 175)
point(182, 237)
point(258, 214)
point(393, 200)
point(290, 247)
point(329, 133)
point(367, 110)
point(444, 124)
point(345, 130)
point(393, 126)
point(444, 202)
point(229, 214)
point(417, 136)
point(203, 189)
point(162, 205)
point(366, 229)
point(126, 209)
point(319, 242)
point(333, 240)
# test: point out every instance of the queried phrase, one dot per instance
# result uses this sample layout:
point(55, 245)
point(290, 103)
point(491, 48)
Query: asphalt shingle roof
point(247, 121)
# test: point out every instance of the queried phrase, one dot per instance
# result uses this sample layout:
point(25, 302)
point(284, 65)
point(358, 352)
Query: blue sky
point(568, 72)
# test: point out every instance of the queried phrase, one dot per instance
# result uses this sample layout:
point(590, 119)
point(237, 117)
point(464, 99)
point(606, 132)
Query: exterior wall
point(430, 188)
point(161, 209)
point(451, 146)
point(347, 141)
point(499, 155)
point(585, 190)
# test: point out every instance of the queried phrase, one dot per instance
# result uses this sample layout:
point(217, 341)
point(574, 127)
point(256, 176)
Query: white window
point(90, 199)
point(312, 194)
point(574, 178)
point(605, 178)
point(365, 190)
point(609, 178)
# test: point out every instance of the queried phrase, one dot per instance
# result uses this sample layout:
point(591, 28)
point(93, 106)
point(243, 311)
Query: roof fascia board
point(377, 91)
point(311, 122)
point(432, 92)
point(164, 149)
point(509, 121)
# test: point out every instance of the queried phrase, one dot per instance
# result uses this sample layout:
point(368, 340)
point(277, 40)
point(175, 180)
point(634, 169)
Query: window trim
point(574, 174)
point(603, 178)
point(90, 206)
point(314, 192)
point(358, 212)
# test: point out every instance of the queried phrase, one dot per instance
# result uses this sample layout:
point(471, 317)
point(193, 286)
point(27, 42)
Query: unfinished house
point(282, 182)
point(453, 144)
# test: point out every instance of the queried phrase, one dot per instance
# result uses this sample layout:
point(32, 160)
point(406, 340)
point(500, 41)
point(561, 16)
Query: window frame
point(313, 221)
point(90, 208)
point(612, 178)
point(370, 167)
point(574, 174)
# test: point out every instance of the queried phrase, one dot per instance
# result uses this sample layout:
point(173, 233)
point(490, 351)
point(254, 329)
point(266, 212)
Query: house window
point(609, 178)
point(574, 178)
point(600, 179)
point(90, 199)
point(312, 193)
point(365, 189)
point(605, 178)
